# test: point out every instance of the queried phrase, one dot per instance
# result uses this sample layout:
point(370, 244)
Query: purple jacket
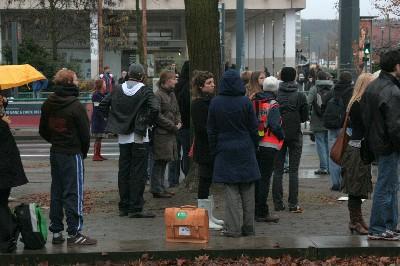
point(99, 122)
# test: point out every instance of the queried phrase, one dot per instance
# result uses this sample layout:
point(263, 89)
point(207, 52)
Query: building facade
point(271, 32)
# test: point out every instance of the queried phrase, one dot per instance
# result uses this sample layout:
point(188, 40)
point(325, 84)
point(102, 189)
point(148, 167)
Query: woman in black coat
point(12, 173)
point(203, 88)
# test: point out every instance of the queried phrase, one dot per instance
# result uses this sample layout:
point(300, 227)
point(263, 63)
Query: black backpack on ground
point(291, 118)
point(9, 231)
point(335, 113)
point(319, 100)
point(32, 224)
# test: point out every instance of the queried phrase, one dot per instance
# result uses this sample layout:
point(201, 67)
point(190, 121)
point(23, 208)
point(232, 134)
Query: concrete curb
point(313, 248)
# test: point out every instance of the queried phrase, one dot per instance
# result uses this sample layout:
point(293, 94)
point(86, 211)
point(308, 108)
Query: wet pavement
point(323, 224)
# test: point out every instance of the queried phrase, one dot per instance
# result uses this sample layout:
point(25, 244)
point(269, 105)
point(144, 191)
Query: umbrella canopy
point(17, 75)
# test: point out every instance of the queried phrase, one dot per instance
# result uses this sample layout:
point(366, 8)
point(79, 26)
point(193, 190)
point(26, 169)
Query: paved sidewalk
point(325, 220)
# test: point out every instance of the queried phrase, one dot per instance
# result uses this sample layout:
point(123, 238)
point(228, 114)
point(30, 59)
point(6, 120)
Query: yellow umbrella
point(17, 75)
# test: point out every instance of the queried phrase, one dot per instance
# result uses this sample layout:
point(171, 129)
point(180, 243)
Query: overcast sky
point(323, 9)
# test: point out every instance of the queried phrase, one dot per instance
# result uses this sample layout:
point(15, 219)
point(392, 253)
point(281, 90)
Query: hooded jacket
point(131, 107)
point(316, 124)
point(64, 122)
point(381, 115)
point(290, 100)
point(182, 92)
point(232, 133)
point(343, 90)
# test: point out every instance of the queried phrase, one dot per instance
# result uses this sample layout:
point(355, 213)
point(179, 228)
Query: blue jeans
point(334, 169)
point(384, 210)
point(321, 139)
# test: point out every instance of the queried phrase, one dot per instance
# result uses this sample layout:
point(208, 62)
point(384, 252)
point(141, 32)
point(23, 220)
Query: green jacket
point(316, 124)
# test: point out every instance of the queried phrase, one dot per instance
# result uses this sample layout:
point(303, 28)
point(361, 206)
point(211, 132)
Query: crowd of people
point(243, 132)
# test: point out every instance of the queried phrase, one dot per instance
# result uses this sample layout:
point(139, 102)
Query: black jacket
point(199, 111)
point(131, 107)
point(343, 90)
point(12, 172)
point(380, 107)
point(182, 92)
point(290, 100)
point(64, 122)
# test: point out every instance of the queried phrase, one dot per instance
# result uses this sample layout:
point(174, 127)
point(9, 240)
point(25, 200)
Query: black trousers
point(4, 195)
point(205, 180)
point(132, 176)
point(295, 148)
point(354, 202)
point(67, 174)
point(265, 158)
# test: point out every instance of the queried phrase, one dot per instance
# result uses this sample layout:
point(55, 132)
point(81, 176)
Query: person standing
point(166, 128)
point(357, 180)
point(131, 109)
point(182, 93)
point(294, 111)
point(98, 121)
point(65, 124)
point(333, 117)
point(323, 85)
point(271, 140)
point(255, 84)
point(123, 77)
point(108, 78)
point(203, 89)
point(380, 107)
point(232, 135)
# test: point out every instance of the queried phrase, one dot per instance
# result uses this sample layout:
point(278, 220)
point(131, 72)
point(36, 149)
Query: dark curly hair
point(198, 80)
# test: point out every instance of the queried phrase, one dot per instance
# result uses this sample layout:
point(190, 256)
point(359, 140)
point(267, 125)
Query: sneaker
point(58, 239)
point(387, 235)
point(267, 219)
point(142, 215)
point(280, 207)
point(321, 172)
point(296, 209)
point(80, 240)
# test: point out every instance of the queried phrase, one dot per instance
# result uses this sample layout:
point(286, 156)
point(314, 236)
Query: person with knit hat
point(131, 109)
point(335, 110)
point(271, 137)
point(294, 111)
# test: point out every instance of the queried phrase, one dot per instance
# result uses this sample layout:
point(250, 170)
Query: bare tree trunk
point(202, 31)
point(53, 30)
point(202, 36)
point(100, 34)
point(139, 33)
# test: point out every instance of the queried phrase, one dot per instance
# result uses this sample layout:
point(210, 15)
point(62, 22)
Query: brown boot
point(101, 156)
point(361, 219)
point(354, 224)
point(96, 156)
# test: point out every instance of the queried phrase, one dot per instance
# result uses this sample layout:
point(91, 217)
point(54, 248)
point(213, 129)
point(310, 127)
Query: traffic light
point(367, 48)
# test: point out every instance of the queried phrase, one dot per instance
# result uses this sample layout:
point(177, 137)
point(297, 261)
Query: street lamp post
point(273, 47)
point(382, 31)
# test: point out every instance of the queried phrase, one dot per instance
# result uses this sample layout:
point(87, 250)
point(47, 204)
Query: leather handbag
point(187, 224)
point(341, 142)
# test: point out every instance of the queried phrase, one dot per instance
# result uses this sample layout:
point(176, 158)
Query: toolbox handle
point(188, 207)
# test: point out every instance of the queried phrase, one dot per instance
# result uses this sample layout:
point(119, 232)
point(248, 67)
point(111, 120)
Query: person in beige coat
point(164, 138)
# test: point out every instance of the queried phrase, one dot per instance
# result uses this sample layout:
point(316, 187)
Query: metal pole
point(349, 23)
point(327, 64)
point(273, 47)
point(144, 32)
point(221, 6)
point(14, 43)
point(309, 46)
point(100, 34)
point(240, 34)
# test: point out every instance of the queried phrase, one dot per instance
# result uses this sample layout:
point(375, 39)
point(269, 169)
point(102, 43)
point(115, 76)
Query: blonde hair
point(359, 88)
